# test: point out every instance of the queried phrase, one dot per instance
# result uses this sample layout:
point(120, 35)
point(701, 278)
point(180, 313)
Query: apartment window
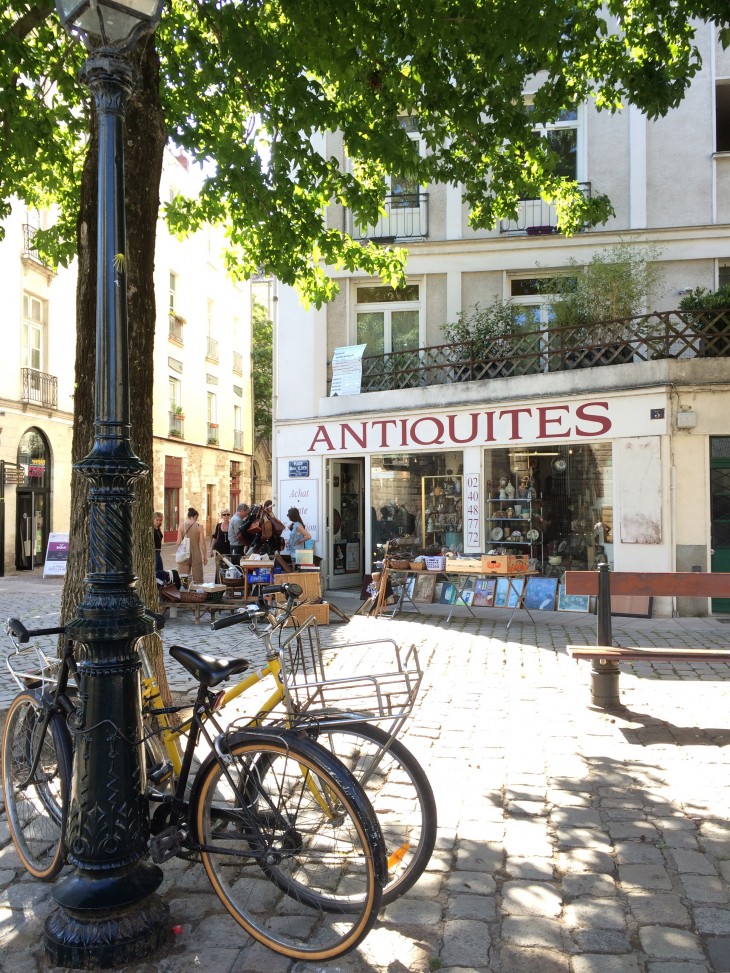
point(722, 116)
point(388, 319)
point(405, 189)
point(212, 350)
point(175, 387)
point(34, 327)
point(563, 137)
point(723, 274)
point(237, 427)
point(212, 408)
point(173, 293)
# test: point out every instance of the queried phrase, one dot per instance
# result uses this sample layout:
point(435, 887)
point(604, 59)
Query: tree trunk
point(144, 144)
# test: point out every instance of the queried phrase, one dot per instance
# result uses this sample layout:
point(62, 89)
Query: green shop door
point(720, 512)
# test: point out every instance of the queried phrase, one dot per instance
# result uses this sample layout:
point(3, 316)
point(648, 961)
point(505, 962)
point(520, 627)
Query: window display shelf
point(441, 511)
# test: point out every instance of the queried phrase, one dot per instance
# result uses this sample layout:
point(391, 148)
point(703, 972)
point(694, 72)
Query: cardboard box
point(505, 563)
point(464, 565)
point(309, 582)
point(321, 614)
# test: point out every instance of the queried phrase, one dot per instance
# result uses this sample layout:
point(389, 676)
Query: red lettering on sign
point(515, 415)
point(383, 423)
point(321, 436)
point(438, 441)
point(474, 416)
point(361, 440)
point(603, 422)
point(546, 419)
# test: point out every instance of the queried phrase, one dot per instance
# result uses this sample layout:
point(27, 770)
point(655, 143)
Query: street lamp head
point(109, 24)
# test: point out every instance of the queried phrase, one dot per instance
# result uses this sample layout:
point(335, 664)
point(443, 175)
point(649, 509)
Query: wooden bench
point(606, 656)
point(197, 609)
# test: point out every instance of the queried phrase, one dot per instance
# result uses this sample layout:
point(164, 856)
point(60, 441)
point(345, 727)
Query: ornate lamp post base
point(106, 940)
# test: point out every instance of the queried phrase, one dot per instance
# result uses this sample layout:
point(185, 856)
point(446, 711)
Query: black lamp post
point(108, 914)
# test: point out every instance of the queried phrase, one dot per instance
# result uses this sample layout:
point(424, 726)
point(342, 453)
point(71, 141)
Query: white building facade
point(202, 422)
point(623, 460)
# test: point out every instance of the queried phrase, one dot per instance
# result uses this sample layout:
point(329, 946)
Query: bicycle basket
point(388, 694)
point(32, 668)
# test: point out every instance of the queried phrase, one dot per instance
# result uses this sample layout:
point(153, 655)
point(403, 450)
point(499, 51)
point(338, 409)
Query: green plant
point(482, 331)
point(700, 299)
point(711, 313)
point(176, 410)
point(618, 283)
point(176, 433)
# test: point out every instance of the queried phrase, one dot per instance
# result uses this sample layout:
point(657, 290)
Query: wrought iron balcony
point(175, 332)
point(176, 425)
point(535, 217)
point(38, 388)
point(647, 337)
point(29, 247)
point(405, 218)
point(212, 352)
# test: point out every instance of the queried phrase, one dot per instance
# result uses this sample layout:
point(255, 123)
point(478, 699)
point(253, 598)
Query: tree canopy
point(247, 86)
point(261, 370)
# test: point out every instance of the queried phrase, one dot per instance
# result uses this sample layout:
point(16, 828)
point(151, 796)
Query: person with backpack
point(236, 533)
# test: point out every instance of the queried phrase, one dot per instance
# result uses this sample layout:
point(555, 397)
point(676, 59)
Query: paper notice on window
point(347, 370)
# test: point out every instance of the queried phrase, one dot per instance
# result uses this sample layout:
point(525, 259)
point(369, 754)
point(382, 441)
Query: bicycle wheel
point(398, 790)
point(36, 806)
point(295, 854)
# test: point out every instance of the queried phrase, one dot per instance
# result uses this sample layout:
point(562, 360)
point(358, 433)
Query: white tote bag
point(183, 550)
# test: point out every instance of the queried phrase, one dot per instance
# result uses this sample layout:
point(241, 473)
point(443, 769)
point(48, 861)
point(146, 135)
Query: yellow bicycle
point(337, 713)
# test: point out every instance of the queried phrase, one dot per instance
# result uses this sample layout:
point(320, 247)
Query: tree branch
point(31, 19)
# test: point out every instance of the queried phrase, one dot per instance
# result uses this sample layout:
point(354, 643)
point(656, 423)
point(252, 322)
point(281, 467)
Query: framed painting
point(540, 594)
point(501, 592)
point(516, 587)
point(572, 603)
point(423, 588)
point(448, 593)
point(484, 592)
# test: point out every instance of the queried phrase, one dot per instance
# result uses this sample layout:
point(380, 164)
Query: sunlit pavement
point(570, 840)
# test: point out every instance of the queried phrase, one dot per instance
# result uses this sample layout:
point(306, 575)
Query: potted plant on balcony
point(483, 340)
point(598, 303)
point(710, 312)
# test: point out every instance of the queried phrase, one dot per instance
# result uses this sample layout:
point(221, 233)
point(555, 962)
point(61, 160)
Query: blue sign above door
point(298, 467)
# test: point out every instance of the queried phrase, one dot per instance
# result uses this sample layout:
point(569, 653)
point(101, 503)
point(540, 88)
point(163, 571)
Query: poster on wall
point(640, 490)
point(347, 370)
point(302, 494)
point(56, 556)
point(352, 557)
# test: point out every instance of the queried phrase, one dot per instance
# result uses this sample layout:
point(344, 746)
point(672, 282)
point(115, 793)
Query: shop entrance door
point(720, 512)
point(31, 532)
point(346, 523)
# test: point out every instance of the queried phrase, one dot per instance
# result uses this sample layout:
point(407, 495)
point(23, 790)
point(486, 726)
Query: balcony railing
point(405, 218)
point(212, 351)
point(175, 332)
point(647, 337)
point(29, 247)
point(176, 425)
point(38, 388)
point(535, 217)
point(213, 434)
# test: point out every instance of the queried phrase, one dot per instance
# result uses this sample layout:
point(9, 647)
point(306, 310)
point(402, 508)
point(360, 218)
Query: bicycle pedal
point(166, 845)
point(160, 773)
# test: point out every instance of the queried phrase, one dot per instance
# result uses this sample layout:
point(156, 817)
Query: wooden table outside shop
point(459, 580)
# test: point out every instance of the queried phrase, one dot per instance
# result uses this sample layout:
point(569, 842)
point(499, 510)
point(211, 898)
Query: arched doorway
point(33, 500)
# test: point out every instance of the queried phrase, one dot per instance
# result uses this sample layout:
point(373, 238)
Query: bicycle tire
point(399, 791)
point(324, 874)
point(36, 811)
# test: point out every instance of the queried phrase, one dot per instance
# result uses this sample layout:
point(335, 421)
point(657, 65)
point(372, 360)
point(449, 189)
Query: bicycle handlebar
point(24, 635)
point(250, 612)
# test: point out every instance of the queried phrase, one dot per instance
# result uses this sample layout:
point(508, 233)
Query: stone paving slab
point(571, 840)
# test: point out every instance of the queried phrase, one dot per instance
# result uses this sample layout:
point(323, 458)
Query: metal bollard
point(604, 673)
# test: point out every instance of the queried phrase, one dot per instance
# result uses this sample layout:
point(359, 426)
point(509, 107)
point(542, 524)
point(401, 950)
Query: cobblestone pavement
point(570, 840)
